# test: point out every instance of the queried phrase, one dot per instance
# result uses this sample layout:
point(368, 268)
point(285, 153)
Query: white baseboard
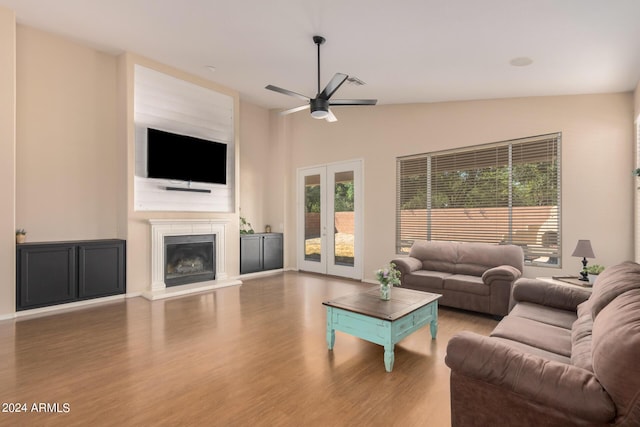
point(192, 288)
point(9, 316)
point(59, 308)
point(261, 274)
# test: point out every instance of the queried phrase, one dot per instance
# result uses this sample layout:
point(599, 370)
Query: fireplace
point(162, 229)
point(189, 259)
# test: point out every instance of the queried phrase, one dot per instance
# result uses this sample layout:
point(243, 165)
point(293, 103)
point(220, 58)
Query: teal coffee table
point(366, 316)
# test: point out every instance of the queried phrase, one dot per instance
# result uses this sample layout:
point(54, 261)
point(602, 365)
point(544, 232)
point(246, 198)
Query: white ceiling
point(405, 50)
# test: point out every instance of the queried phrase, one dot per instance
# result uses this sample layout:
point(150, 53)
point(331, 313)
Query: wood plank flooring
point(251, 355)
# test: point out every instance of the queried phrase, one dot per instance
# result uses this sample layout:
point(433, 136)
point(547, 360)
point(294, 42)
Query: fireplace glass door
point(189, 259)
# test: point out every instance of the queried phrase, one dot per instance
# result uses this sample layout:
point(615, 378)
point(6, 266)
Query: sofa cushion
point(435, 256)
point(581, 342)
point(476, 258)
point(425, 279)
point(541, 313)
point(616, 351)
point(468, 284)
point(614, 281)
point(531, 332)
point(525, 348)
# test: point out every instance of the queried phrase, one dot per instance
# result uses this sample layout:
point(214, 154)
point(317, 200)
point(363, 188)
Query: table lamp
point(583, 249)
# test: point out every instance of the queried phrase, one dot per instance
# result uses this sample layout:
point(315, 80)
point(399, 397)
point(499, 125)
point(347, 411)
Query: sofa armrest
point(407, 264)
point(505, 273)
point(553, 384)
point(549, 294)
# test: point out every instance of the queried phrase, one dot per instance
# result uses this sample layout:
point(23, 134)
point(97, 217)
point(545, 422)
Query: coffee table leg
point(331, 333)
point(331, 337)
point(434, 329)
point(389, 357)
point(434, 321)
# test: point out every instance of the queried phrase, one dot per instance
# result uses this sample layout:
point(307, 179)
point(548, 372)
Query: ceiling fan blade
point(333, 85)
point(331, 118)
point(294, 110)
point(287, 92)
point(353, 102)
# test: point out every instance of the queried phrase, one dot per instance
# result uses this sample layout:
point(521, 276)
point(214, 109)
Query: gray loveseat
point(557, 359)
point(471, 276)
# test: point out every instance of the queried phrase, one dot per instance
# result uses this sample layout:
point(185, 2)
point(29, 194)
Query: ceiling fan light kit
point(319, 108)
point(319, 114)
point(319, 105)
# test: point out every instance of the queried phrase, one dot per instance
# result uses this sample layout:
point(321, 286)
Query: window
point(506, 192)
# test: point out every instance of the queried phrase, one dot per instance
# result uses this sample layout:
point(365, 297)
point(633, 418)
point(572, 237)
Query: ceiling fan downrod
point(318, 40)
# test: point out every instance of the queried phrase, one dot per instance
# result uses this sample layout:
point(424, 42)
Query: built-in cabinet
point(62, 272)
point(260, 252)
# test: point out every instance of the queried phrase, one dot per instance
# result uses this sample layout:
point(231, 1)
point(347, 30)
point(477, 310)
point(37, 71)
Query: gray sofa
point(471, 276)
point(562, 357)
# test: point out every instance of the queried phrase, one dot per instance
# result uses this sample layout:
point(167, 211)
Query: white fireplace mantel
point(185, 227)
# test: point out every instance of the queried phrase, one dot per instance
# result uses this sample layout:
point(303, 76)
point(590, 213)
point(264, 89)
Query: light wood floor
point(251, 355)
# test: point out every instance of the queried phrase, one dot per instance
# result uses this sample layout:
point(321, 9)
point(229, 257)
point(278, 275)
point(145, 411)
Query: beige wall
point(7, 160)
point(636, 98)
point(66, 167)
point(255, 194)
point(597, 147)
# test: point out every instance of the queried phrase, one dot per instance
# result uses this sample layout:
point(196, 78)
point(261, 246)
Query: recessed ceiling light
point(521, 61)
point(211, 68)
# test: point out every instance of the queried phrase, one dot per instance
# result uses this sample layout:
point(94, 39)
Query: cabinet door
point(250, 253)
point(272, 251)
point(101, 269)
point(46, 275)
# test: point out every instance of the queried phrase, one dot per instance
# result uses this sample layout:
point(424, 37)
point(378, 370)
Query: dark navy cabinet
point(260, 252)
point(101, 269)
point(61, 272)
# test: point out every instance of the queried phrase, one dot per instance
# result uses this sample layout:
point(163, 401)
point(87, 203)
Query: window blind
point(506, 192)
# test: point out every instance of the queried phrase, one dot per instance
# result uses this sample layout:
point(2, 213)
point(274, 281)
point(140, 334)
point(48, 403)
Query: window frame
point(411, 182)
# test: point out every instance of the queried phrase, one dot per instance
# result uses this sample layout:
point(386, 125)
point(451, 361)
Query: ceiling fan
point(319, 105)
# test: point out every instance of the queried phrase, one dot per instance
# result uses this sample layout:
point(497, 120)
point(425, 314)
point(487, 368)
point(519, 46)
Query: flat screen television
point(185, 158)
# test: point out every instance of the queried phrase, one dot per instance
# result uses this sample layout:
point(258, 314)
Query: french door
point(330, 219)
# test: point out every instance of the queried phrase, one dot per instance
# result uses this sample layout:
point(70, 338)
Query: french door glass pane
point(343, 221)
point(312, 242)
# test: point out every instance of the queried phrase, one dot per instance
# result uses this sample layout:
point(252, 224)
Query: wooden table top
point(368, 303)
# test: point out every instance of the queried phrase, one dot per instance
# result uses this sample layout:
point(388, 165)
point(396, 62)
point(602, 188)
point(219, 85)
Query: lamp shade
point(583, 249)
